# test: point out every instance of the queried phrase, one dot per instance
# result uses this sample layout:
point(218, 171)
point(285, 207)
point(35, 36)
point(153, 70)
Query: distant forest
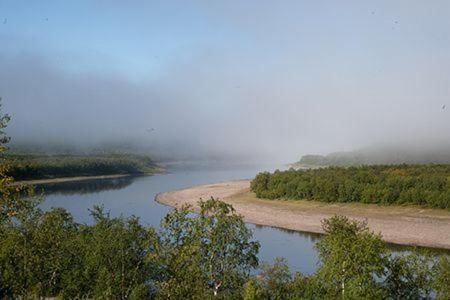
point(28, 167)
point(377, 156)
point(424, 185)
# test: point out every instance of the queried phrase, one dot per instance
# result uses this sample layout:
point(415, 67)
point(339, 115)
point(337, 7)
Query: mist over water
point(253, 81)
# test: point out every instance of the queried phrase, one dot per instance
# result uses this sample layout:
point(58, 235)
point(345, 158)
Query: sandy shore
point(397, 224)
point(68, 179)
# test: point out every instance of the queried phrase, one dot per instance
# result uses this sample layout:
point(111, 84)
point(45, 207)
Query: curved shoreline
point(68, 179)
point(158, 171)
point(411, 226)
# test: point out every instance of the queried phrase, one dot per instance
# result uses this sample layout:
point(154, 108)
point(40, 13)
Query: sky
point(248, 79)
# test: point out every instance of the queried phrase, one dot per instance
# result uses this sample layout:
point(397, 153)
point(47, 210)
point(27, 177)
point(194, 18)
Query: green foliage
point(204, 256)
point(46, 254)
point(120, 255)
point(50, 255)
point(37, 254)
point(27, 167)
point(441, 281)
point(180, 257)
point(252, 291)
point(211, 254)
point(410, 277)
point(355, 264)
point(274, 279)
point(351, 258)
point(425, 185)
point(13, 205)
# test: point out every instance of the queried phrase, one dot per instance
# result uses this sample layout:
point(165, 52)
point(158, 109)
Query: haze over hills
point(409, 153)
point(248, 79)
point(379, 155)
point(168, 153)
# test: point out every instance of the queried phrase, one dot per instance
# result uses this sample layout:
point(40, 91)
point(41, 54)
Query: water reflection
point(405, 249)
point(310, 236)
point(135, 196)
point(85, 186)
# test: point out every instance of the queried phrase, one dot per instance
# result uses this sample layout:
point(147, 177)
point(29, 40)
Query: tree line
point(381, 155)
point(28, 167)
point(211, 255)
point(424, 185)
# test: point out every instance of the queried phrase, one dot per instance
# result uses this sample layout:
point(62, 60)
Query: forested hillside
point(378, 155)
point(425, 185)
point(27, 167)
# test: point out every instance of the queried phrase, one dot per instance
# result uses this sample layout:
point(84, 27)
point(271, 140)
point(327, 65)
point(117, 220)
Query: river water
point(135, 196)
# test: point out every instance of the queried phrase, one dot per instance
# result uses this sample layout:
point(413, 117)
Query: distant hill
point(381, 155)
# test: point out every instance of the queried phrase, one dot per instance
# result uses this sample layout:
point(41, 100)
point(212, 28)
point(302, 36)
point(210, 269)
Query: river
point(135, 196)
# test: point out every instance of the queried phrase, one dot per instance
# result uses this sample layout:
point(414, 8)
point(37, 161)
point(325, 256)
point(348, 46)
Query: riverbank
point(67, 179)
point(31, 167)
point(397, 224)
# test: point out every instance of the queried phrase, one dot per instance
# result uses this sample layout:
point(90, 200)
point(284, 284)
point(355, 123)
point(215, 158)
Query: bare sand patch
point(404, 225)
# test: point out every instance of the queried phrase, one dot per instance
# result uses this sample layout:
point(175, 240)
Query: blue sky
point(313, 76)
point(141, 38)
point(135, 39)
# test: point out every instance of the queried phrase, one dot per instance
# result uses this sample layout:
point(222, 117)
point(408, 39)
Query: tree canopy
point(425, 185)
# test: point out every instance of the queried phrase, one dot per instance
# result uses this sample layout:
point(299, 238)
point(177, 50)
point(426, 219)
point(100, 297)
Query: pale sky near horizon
point(272, 78)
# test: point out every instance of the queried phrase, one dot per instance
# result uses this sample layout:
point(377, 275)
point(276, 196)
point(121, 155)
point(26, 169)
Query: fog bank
point(256, 81)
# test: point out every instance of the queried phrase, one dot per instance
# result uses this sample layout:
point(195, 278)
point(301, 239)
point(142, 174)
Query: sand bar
point(67, 179)
point(406, 225)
